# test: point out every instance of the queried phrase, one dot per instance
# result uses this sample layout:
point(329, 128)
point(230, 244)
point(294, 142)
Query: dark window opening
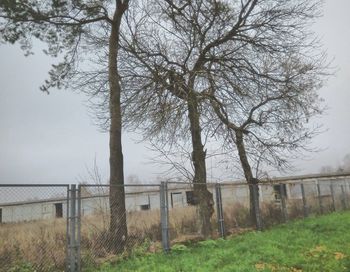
point(280, 189)
point(59, 210)
point(145, 207)
point(191, 198)
point(0, 216)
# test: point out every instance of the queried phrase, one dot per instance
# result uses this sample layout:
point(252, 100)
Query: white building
point(179, 195)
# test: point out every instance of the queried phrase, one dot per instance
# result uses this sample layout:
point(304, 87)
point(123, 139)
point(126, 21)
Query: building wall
point(134, 201)
point(30, 212)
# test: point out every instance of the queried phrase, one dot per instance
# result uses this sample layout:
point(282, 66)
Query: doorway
point(59, 210)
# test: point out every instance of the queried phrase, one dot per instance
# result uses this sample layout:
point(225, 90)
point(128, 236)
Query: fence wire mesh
point(235, 200)
point(99, 240)
point(278, 203)
point(33, 229)
point(45, 228)
point(184, 221)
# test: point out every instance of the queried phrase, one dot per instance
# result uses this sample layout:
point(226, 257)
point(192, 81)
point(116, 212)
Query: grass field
point(316, 244)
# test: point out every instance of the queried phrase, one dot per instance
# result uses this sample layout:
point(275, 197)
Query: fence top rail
point(28, 202)
point(276, 180)
point(119, 185)
point(33, 185)
point(211, 184)
point(310, 176)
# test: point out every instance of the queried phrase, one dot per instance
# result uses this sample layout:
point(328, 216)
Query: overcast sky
point(51, 139)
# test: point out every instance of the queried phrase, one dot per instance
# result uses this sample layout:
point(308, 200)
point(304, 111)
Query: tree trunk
point(202, 196)
point(254, 202)
point(118, 225)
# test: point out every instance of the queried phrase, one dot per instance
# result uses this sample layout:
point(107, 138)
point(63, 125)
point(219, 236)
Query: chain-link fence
point(232, 214)
point(33, 227)
point(61, 227)
point(128, 232)
point(282, 202)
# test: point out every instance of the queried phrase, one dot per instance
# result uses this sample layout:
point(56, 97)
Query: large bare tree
point(166, 51)
point(81, 33)
point(246, 70)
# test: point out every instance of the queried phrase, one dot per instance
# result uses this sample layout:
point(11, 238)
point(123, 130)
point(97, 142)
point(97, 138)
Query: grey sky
point(50, 138)
point(47, 138)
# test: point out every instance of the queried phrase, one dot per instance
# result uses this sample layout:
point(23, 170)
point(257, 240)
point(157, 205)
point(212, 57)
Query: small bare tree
point(269, 124)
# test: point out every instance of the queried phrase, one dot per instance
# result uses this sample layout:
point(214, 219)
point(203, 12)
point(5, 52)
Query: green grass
point(316, 244)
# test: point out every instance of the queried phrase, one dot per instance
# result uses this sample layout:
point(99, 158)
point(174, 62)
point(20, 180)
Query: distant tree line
point(342, 167)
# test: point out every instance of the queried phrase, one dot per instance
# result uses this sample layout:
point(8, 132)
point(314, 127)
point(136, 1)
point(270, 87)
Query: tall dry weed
point(40, 245)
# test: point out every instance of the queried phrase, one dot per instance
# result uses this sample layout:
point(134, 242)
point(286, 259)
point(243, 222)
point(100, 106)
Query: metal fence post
point(219, 210)
point(333, 199)
point(67, 230)
point(283, 203)
point(343, 201)
point(78, 244)
point(305, 207)
point(72, 216)
point(164, 216)
point(319, 198)
point(346, 192)
point(256, 206)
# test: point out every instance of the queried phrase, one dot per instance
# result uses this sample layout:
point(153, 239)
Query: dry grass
point(143, 226)
point(42, 244)
point(144, 230)
point(183, 221)
point(236, 216)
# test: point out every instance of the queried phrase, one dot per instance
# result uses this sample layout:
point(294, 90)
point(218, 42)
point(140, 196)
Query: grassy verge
point(315, 244)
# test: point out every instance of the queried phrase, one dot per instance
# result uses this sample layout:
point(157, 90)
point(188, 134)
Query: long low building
point(94, 199)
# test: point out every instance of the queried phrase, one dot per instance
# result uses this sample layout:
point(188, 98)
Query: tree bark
point(254, 203)
point(202, 196)
point(118, 225)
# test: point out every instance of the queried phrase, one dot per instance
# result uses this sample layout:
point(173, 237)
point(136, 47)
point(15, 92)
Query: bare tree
point(165, 56)
point(82, 32)
point(245, 70)
point(269, 123)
